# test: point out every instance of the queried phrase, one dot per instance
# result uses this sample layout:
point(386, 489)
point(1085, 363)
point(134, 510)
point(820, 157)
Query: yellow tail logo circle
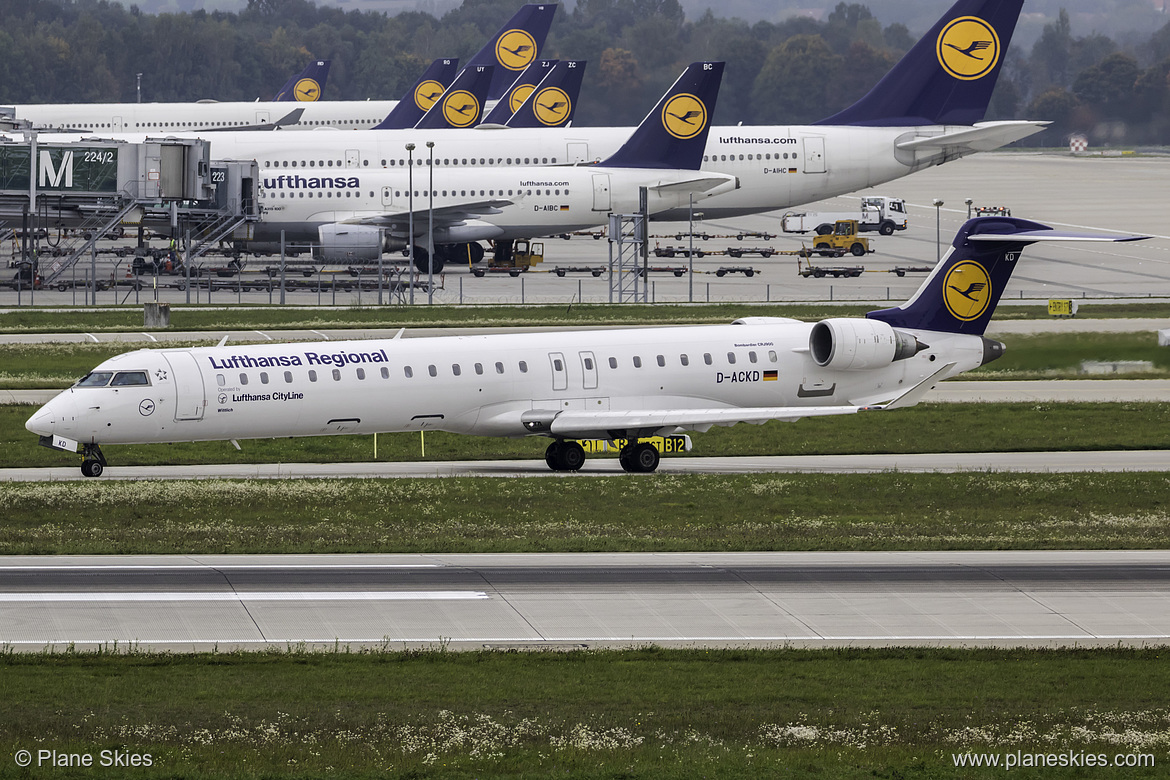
point(552, 105)
point(307, 91)
point(516, 50)
point(460, 108)
point(967, 290)
point(426, 93)
point(684, 116)
point(968, 48)
point(519, 95)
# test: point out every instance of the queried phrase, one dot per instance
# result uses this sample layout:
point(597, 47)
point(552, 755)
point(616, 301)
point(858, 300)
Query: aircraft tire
point(572, 456)
point(92, 468)
point(552, 454)
point(640, 458)
point(420, 261)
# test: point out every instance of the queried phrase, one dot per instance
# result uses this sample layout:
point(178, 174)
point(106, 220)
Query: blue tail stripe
point(407, 113)
point(535, 19)
point(565, 76)
point(941, 81)
point(653, 145)
point(316, 71)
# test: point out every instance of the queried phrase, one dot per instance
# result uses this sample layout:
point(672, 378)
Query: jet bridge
point(94, 186)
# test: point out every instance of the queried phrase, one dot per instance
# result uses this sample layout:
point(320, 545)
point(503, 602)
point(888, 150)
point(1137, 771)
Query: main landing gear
point(93, 462)
point(636, 457)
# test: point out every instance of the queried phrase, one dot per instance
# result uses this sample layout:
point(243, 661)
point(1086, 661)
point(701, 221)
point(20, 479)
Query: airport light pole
point(969, 201)
point(937, 229)
point(691, 250)
point(410, 215)
point(431, 227)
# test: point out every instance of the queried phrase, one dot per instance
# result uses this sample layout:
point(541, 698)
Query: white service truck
point(876, 212)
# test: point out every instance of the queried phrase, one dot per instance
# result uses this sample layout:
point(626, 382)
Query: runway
point(587, 600)
point(602, 466)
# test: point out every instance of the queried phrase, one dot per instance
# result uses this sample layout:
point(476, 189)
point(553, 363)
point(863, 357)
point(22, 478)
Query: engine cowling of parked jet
point(343, 243)
point(854, 344)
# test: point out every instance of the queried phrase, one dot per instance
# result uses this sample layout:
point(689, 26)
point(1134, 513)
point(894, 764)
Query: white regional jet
point(663, 155)
point(571, 385)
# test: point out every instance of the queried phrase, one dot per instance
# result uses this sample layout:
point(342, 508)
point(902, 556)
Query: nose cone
point(54, 418)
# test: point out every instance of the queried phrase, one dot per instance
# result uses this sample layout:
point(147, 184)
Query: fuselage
point(482, 385)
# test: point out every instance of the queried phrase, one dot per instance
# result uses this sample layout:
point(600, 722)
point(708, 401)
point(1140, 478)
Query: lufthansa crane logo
point(684, 116)
point(968, 48)
point(516, 50)
point(519, 95)
point(460, 108)
point(307, 90)
point(426, 93)
point(967, 290)
point(552, 106)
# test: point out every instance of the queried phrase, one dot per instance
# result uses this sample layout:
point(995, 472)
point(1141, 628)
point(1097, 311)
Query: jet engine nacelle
point(342, 243)
point(853, 344)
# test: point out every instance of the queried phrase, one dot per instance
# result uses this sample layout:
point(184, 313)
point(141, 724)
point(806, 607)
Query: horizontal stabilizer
point(698, 184)
point(983, 137)
point(1032, 236)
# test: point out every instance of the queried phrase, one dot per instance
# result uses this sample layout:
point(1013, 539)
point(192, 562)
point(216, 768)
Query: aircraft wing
point(983, 137)
point(696, 184)
point(291, 118)
point(444, 216)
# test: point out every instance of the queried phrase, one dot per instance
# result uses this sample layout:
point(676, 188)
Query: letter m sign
point(51, 176)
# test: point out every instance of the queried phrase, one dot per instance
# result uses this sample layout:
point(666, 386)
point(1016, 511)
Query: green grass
point(648, 713)
point(588, 514)
point(228, 317)
point(1018, 427)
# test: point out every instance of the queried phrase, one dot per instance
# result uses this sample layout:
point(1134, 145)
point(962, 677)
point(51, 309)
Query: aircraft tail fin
point(948, 76)
point(462, 104)
point(416, 102)
point(306, 86)
point(674, 134)
point(515, 46)
point(554, 101)
point(961, 293)
point(521, 88)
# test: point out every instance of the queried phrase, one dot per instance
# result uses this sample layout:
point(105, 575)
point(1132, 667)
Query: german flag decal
point(770, 376)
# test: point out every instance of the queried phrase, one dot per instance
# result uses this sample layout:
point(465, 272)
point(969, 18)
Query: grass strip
point(653, 713)
point(978, 511)
point(1018, 427)
point(235, 317)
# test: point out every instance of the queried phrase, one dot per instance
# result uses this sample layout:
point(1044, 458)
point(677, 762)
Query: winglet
point(420, 97)
point(515, 46)
point(674, 134)
point(462, 104)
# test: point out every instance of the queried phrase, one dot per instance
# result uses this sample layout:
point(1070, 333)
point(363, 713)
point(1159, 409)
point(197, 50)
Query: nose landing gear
point(93, 461)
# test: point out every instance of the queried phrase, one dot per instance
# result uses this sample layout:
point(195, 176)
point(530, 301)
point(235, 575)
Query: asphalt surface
point(185, 603)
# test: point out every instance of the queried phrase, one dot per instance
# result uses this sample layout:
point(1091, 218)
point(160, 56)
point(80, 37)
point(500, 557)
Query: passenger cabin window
point(220, 380)
point(731, 358)
point(499, 368)
point(686, 361)
point(337, 375)
point(243, 379)
point(588, 364)
point(263, 377)
point(772, 355)
point(288, 377)
point(312, 375)
point(637, 362)
point(479, 368)
point(558, 365)
point(385, 372)
point(613, 362)
point(433, 370)
point(662, 361)
point(752, 356)
point(361, 373)
point(408, 371)
point(707, 358)
point(96, 379)
point(523, 367)
point(455, 369)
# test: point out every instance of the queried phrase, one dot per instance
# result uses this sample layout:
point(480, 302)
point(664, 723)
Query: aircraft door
point(814, 154)
point(589, 370)
point(576, 152)
point(352, 158)
point(387, 196)
point(601, 199)
point(190, 394)
point(560, 371)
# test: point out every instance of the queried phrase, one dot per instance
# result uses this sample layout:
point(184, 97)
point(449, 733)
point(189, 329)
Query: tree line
point(791, 72)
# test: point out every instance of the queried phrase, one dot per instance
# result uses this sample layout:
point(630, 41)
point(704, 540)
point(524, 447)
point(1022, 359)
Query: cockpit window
point(96, 379)
point(128, 378)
